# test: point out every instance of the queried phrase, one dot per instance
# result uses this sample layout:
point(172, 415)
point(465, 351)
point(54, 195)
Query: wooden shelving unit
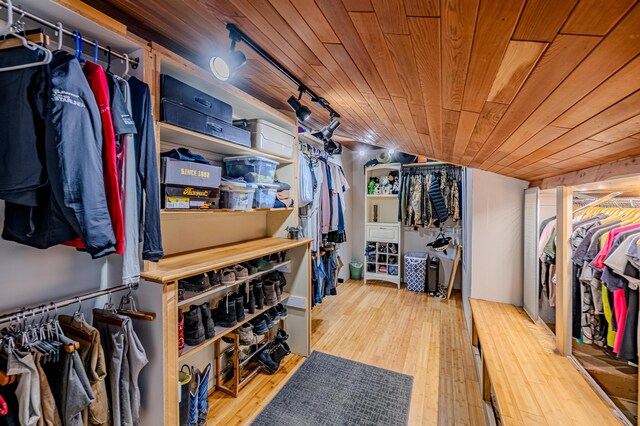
point(193, 297)
point(223, 331)
point(178, 136)
point(198, 241)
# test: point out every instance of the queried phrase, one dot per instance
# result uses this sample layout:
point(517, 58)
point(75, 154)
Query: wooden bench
point(530, 382)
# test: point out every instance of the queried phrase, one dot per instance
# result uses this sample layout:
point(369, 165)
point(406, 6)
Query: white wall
point(346, 249)
point(496, 244)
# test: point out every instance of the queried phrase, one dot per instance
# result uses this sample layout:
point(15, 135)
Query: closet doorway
point(542, 255)
point(604, 326)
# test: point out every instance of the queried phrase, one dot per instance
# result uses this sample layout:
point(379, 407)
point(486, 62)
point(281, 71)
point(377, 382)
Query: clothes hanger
point(96, 49)
point(128, 301)
point(108, 70)
point(60, 35)
point(48, 55)
point(125, 75)
point(78, 40)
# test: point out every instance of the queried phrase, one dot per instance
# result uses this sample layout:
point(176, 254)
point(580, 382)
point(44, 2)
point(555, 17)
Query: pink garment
point(325, 201)
point(544, 237)
point(620, 308)
point(608, 243)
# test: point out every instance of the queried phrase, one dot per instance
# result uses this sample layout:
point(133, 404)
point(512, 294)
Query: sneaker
point(265, 359)
point(240, 271)
point(268, 320)
point(282, 311)
point(260, 326)
point(207, 321)
point(180, 330)
point(225, 313)
point(243, 352)
point(251, 269)
point(270, 298)
point(193, 327)
point(198, 283)
point(214, 278)
point(273, 315)
point(261, 264)
point(246, 335)
point(228, 276)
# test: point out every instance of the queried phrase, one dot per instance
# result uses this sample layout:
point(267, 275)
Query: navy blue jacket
point(75, 204)
point(145, 144)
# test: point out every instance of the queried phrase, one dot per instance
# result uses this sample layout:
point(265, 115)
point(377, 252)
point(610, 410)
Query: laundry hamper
point(415, 270)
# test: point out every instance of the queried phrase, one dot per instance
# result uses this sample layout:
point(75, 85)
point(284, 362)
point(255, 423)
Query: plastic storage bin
point(415, 270)
point(237, 196)
point(251, 168)
point(272, 139)
point(265, 196)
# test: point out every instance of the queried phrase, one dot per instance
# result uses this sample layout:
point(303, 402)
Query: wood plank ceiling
point(525, 88)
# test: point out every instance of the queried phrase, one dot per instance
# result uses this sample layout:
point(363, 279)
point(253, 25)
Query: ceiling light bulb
point(391, 151)
point(219, 68)
point(361, 152)
point(223, 67)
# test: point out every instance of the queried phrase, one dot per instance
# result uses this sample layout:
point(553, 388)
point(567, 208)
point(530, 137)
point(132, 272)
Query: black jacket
point(22, 110)
point(75, 204)
point(145, 144)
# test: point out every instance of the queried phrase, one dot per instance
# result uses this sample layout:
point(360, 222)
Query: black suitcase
point(433, 275)
point(182, 94)
point(186, 118)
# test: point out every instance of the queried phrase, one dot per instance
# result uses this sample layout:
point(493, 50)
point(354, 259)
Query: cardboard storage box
point(187, 173)
point(190, 198)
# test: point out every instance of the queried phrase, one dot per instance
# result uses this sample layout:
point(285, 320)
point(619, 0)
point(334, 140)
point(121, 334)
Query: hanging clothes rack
point(597, 202)
point(133, 62)
point(36, 310)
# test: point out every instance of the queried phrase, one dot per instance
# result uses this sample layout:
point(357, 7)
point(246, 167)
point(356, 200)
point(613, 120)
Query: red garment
point(98, 82)
point(608, 243)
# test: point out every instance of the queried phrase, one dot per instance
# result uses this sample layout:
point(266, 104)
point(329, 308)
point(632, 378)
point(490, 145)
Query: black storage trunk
point(186, 118)
point(189, 97)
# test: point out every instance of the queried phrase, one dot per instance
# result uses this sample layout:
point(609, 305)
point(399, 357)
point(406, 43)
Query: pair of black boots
point(252, 294)
point(230, 310)
point(274, 352)
point(198, 324)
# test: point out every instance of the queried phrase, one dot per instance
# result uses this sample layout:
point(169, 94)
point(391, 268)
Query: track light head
point(223, 67)
point(327, 131)
point(302, 112)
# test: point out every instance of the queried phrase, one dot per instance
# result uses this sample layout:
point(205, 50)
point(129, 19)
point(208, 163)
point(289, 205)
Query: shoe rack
point(196, 242)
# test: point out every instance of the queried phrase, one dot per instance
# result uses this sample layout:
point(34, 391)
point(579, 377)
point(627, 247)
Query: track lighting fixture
point(302, 112)
point(223, 69)
point(224, 66)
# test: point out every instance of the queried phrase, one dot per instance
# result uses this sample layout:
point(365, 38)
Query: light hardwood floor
point(398, 330)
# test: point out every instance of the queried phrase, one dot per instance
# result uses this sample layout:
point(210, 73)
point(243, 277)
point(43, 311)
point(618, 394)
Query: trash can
point(355, 269)
point(415, 270)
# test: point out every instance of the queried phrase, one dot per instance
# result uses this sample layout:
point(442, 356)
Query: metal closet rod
point(37, 310)
point(598, 201)
point(134, 62)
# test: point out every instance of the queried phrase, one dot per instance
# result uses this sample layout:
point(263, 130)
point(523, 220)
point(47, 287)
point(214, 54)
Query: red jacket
point(98, 82)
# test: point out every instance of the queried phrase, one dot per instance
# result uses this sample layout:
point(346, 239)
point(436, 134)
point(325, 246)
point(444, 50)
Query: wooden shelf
point(182, 137)
point(191, 296)
point(222, 331)
point(178, 266)
point(177, 212)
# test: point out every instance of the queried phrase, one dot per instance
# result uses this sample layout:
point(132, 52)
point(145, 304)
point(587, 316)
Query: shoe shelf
point(174, 136)
point(192, 296)
point(173, 268)
point(223, 331)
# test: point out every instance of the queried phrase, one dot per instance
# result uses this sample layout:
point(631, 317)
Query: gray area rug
point(328, 390)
